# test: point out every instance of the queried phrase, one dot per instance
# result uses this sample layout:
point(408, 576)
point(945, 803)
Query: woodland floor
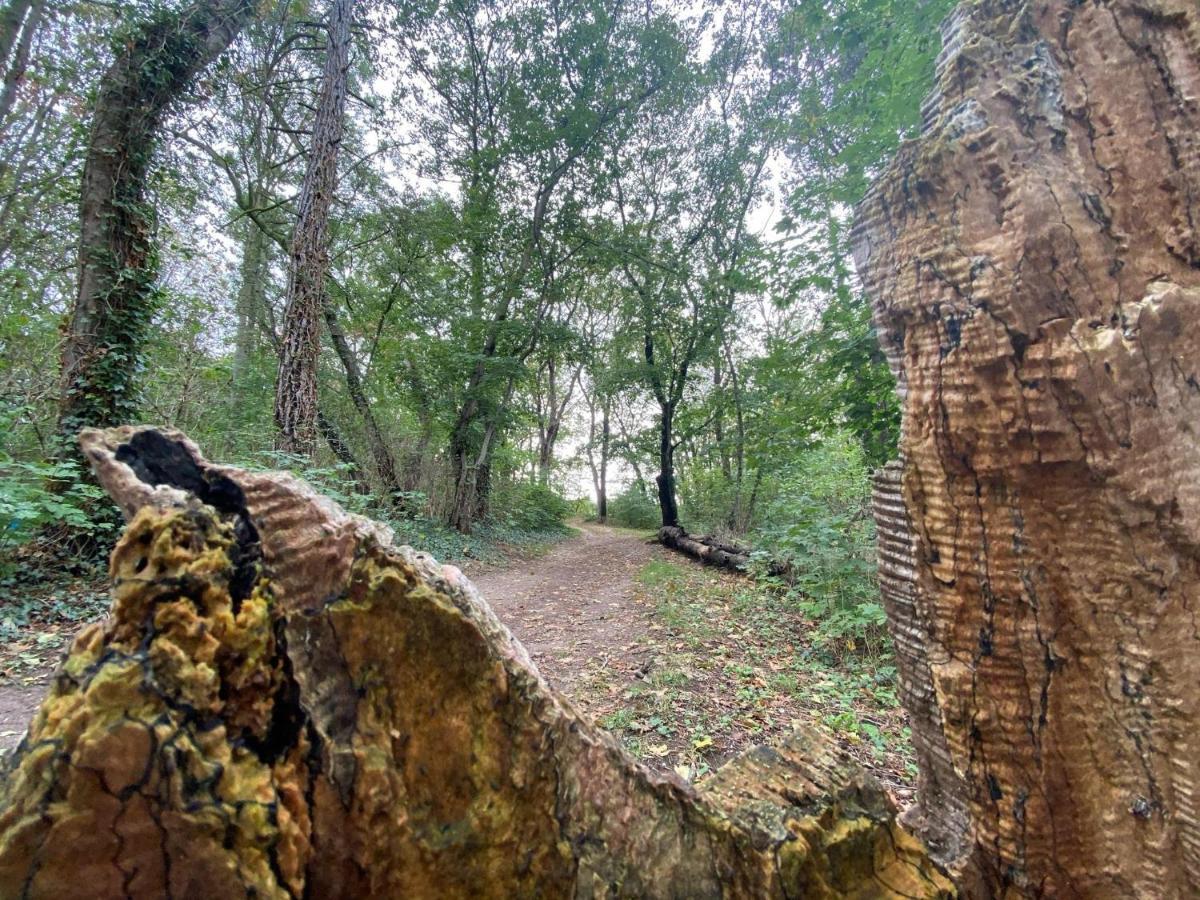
point(686, 665)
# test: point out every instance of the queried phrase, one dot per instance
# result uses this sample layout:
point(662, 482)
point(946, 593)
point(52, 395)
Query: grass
point(735, 664)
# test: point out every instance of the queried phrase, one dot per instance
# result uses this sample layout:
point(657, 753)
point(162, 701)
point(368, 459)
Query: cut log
point(284, 704)
point(1034, 265)
point(708, 550)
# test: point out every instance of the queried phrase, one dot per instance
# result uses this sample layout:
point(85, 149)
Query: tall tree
point(156, 62)
point(296, 387)
point(683, 197)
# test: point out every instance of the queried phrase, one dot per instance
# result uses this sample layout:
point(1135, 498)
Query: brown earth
point(576, 606)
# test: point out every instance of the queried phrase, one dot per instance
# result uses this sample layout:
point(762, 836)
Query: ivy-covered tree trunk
point(1034, 264)
point(296, 387)
point(283, 704)
point(156, 62)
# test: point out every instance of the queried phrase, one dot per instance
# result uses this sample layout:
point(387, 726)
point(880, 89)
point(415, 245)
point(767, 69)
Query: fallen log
point(706, 549)
point(284, 704)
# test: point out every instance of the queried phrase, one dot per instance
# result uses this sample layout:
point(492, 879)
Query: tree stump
point(1034, 264)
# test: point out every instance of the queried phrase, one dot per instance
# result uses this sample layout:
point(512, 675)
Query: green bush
point(529, 507)
point(633, 509)
point(29, 505)
point(820, 524)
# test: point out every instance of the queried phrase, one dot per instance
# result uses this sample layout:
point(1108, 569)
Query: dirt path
point(575, 606)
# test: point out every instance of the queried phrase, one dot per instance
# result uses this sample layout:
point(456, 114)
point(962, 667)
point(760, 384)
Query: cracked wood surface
point(283, 704)
point(1034, 263)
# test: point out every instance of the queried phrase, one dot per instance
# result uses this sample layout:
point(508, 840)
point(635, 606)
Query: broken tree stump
point(1034, 264)
point(283, 704)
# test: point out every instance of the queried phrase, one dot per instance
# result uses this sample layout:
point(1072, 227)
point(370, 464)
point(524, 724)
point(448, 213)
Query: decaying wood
point(1034, 263)
point(283, 704)
point(706, 549)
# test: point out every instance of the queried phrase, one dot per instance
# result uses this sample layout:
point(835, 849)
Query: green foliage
point(529, 507)
point(37, 495)
point(820, 525)
point(824, 381)
point(633, 509)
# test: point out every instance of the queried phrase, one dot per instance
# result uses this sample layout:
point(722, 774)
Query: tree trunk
point(14, 68)
point(1034, 264)
point(708, 550)
point(341, 450)
point(666, 468)
point(385, 464)
point(117, 261)
point(353, 721)
point(251, 298)
point(296, 387)
point(605, 437)
point(12, 19)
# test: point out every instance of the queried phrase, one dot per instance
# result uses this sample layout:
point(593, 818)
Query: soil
point(574, 607)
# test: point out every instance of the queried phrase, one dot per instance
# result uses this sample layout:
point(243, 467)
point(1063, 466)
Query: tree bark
point(1034, 264)
point(296, 386)
point(707, 550)
point(283, 704)
point(666, 467)
point(385, 463)
point(117, 262)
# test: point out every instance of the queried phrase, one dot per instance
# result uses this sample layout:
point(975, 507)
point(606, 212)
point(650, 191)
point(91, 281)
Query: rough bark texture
point(117, 265)
point(296, 388)
point(1034, 262)
point(940, 813)
point(284, 704)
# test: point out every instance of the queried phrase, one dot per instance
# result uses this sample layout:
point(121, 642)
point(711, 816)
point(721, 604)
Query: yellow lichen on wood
point(138, 774)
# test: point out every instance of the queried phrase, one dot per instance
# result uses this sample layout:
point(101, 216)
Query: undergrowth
point(735, 663)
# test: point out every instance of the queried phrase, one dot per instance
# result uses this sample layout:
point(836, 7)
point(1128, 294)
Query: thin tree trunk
point(385, 464)
point(117, 261)
point(15, 68)
point(296, 387)
point(12, 17)
point(666, 468)
point(250, 299)
point(342, 452)
point(602, 493)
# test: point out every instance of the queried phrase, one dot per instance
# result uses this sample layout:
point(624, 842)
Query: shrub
point(29, 505)
point(633, 509)
point(529, 507)
point(820, 524)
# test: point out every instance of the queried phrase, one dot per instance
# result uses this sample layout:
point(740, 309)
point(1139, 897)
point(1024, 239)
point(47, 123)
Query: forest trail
point(576, 605)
